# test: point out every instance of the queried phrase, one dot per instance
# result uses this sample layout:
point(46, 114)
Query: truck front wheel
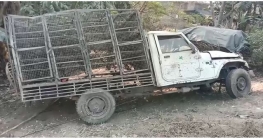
point(95, 107)
point(238, 83)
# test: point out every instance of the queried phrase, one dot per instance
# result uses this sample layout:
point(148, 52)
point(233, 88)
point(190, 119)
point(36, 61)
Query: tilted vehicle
point(98, 55)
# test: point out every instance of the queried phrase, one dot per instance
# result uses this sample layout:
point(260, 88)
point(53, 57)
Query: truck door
point(178, 62)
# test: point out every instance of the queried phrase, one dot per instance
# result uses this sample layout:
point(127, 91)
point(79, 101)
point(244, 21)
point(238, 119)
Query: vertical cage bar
point(83, 44)
point(11, 33)
point(146, 47)
point(145, 44)
point(47, 48)
point(114, 43)
point(15, 50)
point(114, 36)
point(50, 49)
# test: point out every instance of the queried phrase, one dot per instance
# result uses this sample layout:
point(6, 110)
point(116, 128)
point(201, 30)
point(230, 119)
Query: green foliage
point(256, 41)
point(35, 8)
point(155, 12)
point(195, 19)
point(175, 8)
point(151, 13)
point(156, 8)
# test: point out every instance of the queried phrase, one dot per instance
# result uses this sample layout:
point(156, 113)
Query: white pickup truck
point(47, 50)
point(176, 60)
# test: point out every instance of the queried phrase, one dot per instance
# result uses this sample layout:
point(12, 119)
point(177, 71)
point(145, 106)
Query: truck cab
point(176, 60)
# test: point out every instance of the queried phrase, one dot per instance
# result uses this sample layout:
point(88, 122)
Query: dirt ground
point(189, 114)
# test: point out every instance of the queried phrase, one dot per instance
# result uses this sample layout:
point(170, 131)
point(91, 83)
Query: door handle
point(166, 56)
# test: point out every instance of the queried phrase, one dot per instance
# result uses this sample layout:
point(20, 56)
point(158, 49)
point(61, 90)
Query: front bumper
point(251, 73)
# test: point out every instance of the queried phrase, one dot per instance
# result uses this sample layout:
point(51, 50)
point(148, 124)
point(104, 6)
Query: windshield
point(171, 44)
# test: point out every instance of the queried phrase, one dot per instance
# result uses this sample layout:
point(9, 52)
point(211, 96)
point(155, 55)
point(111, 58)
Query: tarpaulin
point(232, 40)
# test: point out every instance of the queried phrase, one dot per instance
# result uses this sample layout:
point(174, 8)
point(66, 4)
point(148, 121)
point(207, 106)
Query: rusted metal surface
point(77, 87)
point(74, 46)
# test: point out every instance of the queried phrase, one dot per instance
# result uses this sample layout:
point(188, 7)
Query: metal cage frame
point(120, 36)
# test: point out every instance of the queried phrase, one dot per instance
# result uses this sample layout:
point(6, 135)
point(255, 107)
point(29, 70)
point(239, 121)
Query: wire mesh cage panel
point(65, 44)
point(90, 42)
point(30, 48)
point(98, 39)
point(126, 27)
point(133, 58)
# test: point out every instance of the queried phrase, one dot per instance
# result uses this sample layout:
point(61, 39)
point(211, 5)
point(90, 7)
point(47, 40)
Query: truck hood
point(220, 54)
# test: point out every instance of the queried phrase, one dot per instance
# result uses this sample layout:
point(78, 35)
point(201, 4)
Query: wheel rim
point(96, 106)
point(241, 83)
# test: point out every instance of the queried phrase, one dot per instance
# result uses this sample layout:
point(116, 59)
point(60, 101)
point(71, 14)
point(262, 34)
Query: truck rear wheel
point(238, 83)
point(95, 107)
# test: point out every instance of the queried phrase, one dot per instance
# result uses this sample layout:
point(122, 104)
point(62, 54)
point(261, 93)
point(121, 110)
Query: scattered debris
point(243, 116)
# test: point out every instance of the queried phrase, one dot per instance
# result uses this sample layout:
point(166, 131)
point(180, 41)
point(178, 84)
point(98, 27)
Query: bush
point(256, 41)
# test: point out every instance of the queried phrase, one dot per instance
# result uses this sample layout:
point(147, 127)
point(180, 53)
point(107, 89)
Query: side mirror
point(193, 48)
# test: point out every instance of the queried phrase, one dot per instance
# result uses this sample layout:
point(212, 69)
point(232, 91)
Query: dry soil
point(189, 114)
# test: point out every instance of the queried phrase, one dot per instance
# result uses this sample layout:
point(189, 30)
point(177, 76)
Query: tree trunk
point(235, 25)
point(230, 13)
point(9, 7)
point(212, 11)
point(230, 23)
point(255, 8)
point(260, 11)
point(249, 12)
point(220, 17)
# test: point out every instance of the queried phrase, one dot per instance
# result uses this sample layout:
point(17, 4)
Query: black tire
point(234, 87)
point(102, 98)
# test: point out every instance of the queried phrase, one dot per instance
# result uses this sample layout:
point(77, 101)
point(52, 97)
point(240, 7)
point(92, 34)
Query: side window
point(172, 43)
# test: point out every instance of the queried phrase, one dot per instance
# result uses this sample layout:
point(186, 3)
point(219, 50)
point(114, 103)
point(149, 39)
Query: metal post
point(52, 71)
point(84, 49)
point(114, 42)
point(50, 49)
point(11, 33)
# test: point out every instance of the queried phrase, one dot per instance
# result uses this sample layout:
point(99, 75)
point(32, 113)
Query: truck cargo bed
point(66, 53)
